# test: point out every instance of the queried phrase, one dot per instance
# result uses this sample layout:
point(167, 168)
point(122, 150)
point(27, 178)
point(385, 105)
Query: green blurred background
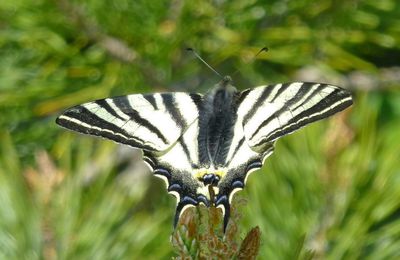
point(68, 196)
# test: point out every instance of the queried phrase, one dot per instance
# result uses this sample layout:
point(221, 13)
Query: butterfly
point(205, 146)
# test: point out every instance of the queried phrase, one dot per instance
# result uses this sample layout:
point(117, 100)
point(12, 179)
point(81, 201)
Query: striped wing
point(266, 113)
point(152, 122)
point(270, 112)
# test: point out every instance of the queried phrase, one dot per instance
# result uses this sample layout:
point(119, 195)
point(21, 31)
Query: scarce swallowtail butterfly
point(205, 146)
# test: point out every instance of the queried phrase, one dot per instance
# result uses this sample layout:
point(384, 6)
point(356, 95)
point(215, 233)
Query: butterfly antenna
point(264, 49)
point(201, 59)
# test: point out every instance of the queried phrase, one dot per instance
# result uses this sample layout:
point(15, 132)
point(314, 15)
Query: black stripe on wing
point(84, 121)
point(104, 104)
point(238, 146)
point(317, 91)
point(264, 95)
point(169, 103)
point(243, 95)
point(123, 104)
point(150, 98)
point(197, 99)
point(280, 91)
point(185, 148)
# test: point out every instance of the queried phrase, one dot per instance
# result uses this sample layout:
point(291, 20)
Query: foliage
point(329, 191)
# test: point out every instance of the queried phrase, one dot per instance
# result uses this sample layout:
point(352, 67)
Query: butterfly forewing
point(151, 122)
point(270, 112)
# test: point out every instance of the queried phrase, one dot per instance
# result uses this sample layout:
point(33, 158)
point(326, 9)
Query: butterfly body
point(216, 123)
point(205, 146)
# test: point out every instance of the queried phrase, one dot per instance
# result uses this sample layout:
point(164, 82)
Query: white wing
point(270, 112)
point(151, 122)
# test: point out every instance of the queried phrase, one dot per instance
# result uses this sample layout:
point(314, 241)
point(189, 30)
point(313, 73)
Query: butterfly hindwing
point(176, 168)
